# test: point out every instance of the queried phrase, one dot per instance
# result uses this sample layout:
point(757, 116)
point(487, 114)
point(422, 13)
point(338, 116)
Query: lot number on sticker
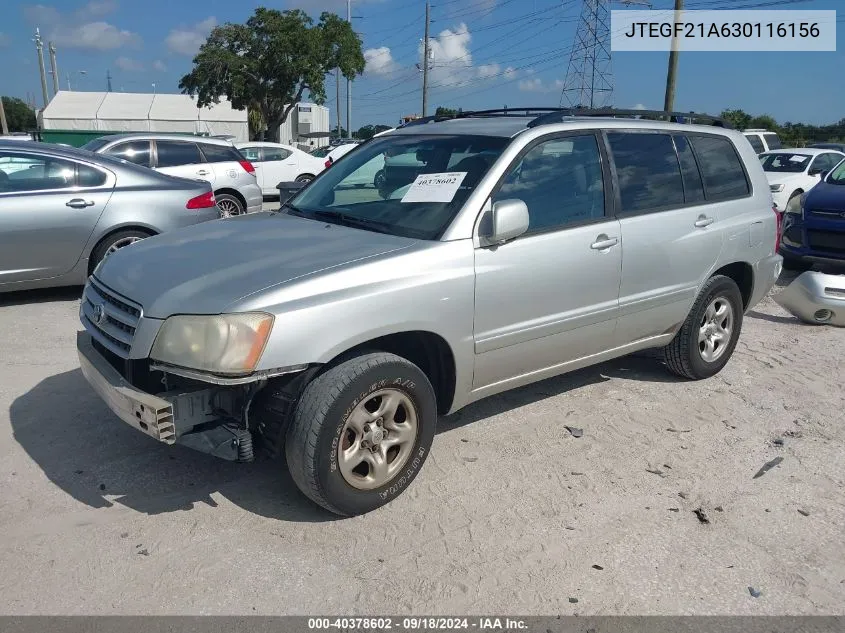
point(434, 187)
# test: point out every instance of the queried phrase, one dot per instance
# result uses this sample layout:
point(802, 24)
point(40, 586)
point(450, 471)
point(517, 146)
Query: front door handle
point(202, 172)
point(604, 242)
point(79, 203)
point(703, 221)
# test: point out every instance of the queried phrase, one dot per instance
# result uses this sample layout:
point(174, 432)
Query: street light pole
point(348, 82)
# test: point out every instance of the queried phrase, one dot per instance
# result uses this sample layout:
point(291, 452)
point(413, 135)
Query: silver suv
point(214, 160)
point(509, 250)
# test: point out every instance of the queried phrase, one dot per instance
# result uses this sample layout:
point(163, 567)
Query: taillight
point(328, 163)
point(247, 166)
point(203, 201)
point(779, 217)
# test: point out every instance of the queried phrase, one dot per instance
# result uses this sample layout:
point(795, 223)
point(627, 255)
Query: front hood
point(204, 268)
point(826, 197)
point(776, 178)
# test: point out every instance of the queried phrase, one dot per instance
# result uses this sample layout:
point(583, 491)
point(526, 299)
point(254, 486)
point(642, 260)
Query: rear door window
point(276, 153)
point(721, 168)
point(647, 170)
point(137, 152)
point(176, 153)
point(87, 176)
point(756, 143)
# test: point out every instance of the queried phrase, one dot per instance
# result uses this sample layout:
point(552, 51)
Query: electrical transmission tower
point(589, 78)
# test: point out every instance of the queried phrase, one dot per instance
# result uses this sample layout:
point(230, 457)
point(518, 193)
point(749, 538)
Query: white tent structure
point(139, 112)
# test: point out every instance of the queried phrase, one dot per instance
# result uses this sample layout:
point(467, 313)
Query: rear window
point(756, 143)
point(220, 153)
point(175, 153)
point(772, 140)
point(647, 170)
point(721, 168)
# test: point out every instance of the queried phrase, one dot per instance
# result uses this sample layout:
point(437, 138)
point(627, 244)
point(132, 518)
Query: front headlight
point(221, 344)
point(776, 188)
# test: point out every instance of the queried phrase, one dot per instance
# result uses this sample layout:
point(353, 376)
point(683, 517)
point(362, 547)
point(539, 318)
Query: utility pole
point(40, 47)
point(349, 83)
point(337, 98)
point(54, 68)
point(425, 59)
point(4, 127)
point(671, 73)
point(108, 81)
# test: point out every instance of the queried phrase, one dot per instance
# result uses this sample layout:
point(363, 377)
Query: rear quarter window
point(773, 141)
point(220, 153)
point(756, 143)
point(721, 168)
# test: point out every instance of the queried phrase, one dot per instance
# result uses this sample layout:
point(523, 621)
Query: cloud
point(159, 66)
point(5, 40)
point(488, 70)
point(83, 28)
point(451, 55)
point(127, 64)
point(380, 61)
point(538, 85)
point(187, 41)
point(640, 106)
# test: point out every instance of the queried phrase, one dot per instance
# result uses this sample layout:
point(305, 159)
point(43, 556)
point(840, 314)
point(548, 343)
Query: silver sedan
point(63, 210)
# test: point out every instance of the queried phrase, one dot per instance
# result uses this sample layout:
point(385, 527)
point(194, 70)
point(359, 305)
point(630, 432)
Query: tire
point(229, 205)
point(336, 402)
point(684, 355)
point(114, 242)
point(304, 178)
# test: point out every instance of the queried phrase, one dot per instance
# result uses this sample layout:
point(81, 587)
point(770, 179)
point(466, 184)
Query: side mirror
point(815, 171)
point(507, 220)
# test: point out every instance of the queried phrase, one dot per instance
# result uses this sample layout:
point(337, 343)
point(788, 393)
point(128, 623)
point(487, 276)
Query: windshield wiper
point(354, 220)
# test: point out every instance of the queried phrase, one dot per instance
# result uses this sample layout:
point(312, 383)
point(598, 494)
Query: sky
point(486, 54)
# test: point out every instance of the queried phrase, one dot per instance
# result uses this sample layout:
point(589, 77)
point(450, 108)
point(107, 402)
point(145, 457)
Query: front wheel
point(361, 432)
point(710, 332)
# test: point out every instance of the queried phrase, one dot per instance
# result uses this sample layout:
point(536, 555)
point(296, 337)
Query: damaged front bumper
point(188, 416)
point(816, 298)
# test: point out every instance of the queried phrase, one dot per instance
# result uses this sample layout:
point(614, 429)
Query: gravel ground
point(511, 513)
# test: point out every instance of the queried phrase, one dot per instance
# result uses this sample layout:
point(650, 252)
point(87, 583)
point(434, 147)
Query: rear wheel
point(114, 243)
point(361, 432)
point(709, 334)
point(304, 178)
point(229, 205)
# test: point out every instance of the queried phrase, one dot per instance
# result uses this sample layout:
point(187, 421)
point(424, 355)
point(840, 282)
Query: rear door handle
point(79, 203)
point(703, 221)
point(603, 242)
point(202, 172)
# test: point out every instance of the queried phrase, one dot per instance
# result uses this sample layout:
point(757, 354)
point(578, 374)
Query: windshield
point(837, 176)
point(772, 140)
point(785, 163)
point(94, 145)
point(411, 186)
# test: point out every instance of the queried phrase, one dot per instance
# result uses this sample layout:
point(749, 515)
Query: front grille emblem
point(99, 313)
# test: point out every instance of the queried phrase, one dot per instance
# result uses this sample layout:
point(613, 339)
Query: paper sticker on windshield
point(798, 159)
point(435, 187)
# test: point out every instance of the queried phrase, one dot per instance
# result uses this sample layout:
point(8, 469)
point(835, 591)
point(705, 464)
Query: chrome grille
point(118, 318)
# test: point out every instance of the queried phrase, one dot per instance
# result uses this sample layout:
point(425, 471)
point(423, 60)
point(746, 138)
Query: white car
point(794, 171)
point(275, 163)
point(763, 140)
point(197, 157)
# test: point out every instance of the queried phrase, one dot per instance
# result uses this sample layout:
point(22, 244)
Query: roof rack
point(560, 114)
point(545, 116)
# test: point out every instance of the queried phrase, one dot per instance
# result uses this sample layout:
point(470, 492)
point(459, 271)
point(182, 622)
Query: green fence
point(78, 138)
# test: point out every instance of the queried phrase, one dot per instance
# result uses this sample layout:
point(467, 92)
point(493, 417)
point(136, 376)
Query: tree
point(269, 63)
point(441, 111)
point(738, 118)
point(19, 116)
point(333, 133)
point(365, 132)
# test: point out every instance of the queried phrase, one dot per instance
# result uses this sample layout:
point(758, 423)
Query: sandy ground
point(511, 513)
